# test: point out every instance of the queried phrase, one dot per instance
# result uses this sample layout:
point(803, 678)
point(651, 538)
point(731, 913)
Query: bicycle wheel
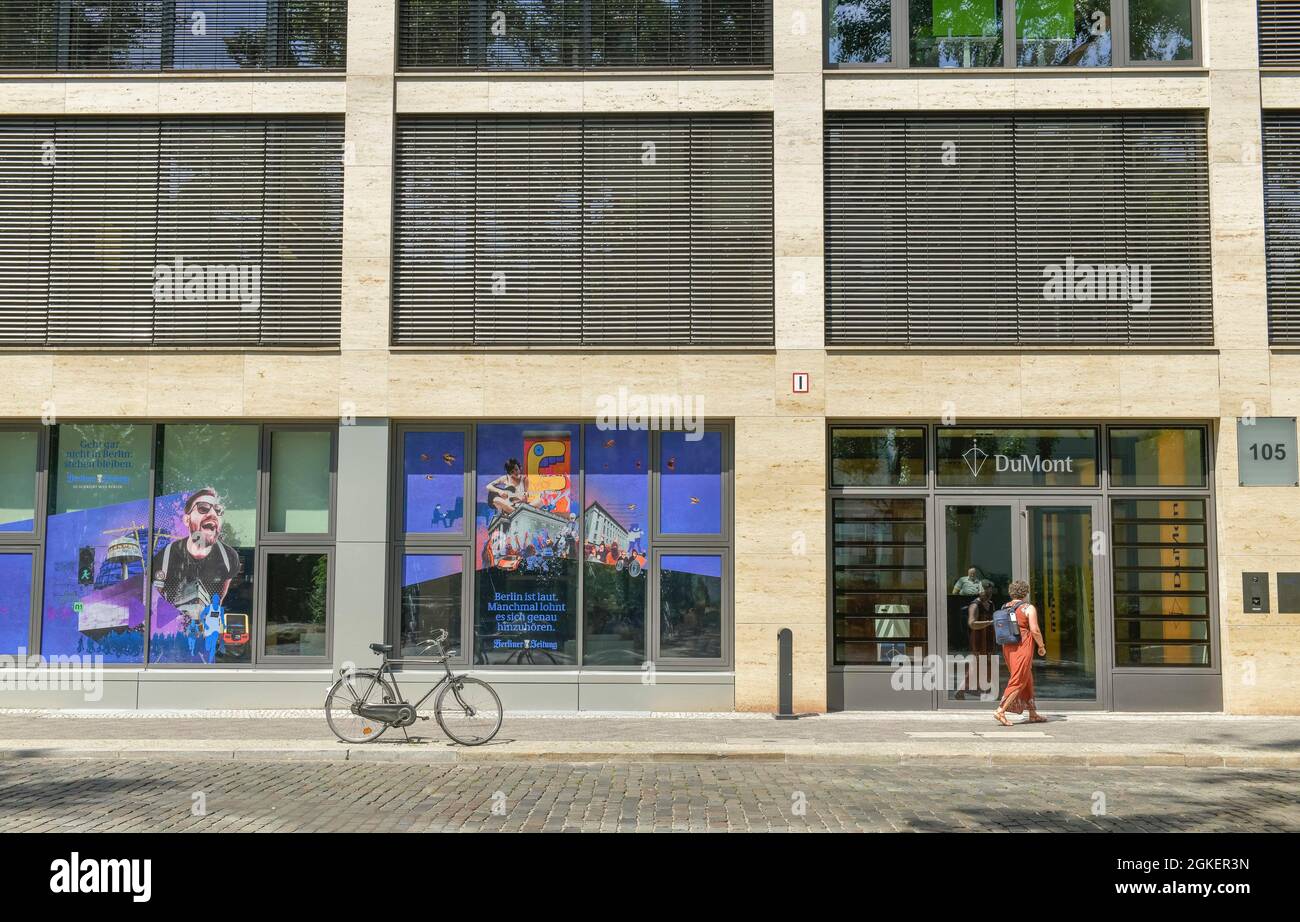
point(352, 689)
point(468, 710)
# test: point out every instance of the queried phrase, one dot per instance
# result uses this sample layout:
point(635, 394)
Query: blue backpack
point(1005, 627)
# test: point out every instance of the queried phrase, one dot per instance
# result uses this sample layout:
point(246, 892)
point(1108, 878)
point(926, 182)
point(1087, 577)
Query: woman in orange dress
point(1019, 657)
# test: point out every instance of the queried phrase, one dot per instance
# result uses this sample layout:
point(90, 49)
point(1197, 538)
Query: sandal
point(1037, 719)
point(1000, 716)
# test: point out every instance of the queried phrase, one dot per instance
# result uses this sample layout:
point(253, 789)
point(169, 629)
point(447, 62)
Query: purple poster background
point(15, 601)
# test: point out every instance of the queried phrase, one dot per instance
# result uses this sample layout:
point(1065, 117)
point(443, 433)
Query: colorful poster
point(205, 526)
point(526, 544)
point(690, 483)
point(615, 546)
point(96, 590)
point(15, 601)
point(433, 466)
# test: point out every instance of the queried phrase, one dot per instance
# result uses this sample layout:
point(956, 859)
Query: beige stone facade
point(780, 535)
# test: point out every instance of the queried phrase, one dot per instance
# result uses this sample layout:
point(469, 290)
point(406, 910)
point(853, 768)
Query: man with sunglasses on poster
point(195, 575)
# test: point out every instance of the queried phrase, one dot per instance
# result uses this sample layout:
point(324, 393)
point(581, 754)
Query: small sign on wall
point(1266, 452)
point(800, 382)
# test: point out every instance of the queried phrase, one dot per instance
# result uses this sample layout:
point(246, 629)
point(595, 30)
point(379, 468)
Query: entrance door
point(986, 544)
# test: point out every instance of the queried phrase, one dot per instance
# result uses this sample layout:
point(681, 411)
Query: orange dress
point(1019, 658)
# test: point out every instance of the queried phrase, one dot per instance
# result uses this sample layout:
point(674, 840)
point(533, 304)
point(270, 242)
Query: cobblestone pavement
point(75, 795)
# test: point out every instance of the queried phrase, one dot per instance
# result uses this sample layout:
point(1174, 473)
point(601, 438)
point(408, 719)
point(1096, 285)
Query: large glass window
point(526, 533)
point(431, 594)
point(15, 601)
point(96, 588)
point(19, 455)
point(1161, 575)
point(301, 480)
point(616, 545)
point(1033, 33)
point(151, 35)
point(878, 457)
point(956, 33)
point(1016, 457)
point(879, 583)
point(861, 31)
point(433, 476)
point(1167, 457)
point(690, 483)
point(297, 603)
point(690, 606)
point(1160, 30)
point(205, 535)
point(1063, 33)
point(564, 544)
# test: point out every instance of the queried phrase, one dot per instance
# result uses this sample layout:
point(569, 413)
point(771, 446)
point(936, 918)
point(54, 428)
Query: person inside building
point(979, 628)
point(1019, 694)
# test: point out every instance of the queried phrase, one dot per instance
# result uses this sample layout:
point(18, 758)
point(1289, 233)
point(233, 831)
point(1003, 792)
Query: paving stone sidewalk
point(85, 795)
point(1068, 739)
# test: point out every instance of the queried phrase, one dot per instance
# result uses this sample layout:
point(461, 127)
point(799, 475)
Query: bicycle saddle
point(381, 648)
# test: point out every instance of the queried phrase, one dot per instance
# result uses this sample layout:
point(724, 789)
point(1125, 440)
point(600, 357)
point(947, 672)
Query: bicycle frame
point(386, 669)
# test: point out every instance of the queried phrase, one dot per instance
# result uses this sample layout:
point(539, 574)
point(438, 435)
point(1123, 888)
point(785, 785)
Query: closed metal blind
point(584, 34)
point(148, 231)
point(948, 229)
point(611, 230)
point(1279, 33)
point(153, 35)
point(1282, 224)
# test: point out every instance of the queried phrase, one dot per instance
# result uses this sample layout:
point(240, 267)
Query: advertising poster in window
point(15, 602)
point(205, 523)
point(526, 544)
point(615, 545)
point(96, 581)
point(433, 464)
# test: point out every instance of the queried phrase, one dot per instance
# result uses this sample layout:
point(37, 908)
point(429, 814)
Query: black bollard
point(785, 674)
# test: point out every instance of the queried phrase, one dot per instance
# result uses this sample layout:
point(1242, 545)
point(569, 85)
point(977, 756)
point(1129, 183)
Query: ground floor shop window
point(565, 519)
point(151, 539)
point(1162, 580)
point(879, 584)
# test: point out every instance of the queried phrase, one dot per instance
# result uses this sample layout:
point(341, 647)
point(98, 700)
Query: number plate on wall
point(1266, 452)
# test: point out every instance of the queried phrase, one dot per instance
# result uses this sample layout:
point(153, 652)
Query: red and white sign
point(800, 382)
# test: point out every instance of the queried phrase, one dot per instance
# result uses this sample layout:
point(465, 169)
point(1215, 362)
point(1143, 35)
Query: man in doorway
point(969, 585)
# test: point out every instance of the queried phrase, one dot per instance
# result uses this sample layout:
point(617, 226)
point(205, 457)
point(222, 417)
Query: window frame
point(901, 51)
point(654, 613)
point(261, 657)
point(40, 498)
point(393, 621)
point(264, 533)
point(400, 545)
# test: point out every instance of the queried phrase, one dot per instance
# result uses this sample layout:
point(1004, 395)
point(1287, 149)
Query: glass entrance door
point(986, 544)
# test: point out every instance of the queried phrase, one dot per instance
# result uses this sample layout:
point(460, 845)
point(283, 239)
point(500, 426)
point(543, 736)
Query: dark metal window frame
point(402, 544)
point(900, 45)
point(276, 43)
point(1104, 493)
point(266, 542)
point(482, 67)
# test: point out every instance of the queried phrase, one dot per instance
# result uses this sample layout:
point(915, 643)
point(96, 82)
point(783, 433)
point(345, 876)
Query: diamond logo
point(975, 459)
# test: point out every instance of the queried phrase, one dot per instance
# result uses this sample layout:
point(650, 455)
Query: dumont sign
point(976, 458)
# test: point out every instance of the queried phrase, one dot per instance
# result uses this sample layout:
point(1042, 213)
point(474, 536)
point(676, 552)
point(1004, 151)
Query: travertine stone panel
point(603, 375)
point(1280, 91)
point(813, 363)
point(1057, 384)
point(1285, 380)
point(26, 386)
point(428, 385)
point(289, 385)
point(184, 384)
point(865, 90)
point(523, 95)
point(368, 181)
point(32, 97)
point(94, 385)
point(731, 385)
point(780, 562)
point(1179, 385)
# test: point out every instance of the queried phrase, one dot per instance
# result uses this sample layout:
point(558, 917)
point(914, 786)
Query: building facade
point(615, 337)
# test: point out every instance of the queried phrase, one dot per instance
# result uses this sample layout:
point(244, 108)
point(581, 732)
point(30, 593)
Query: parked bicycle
point(363, 704)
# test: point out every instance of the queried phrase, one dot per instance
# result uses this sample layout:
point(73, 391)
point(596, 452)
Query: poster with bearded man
point(194, 573)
